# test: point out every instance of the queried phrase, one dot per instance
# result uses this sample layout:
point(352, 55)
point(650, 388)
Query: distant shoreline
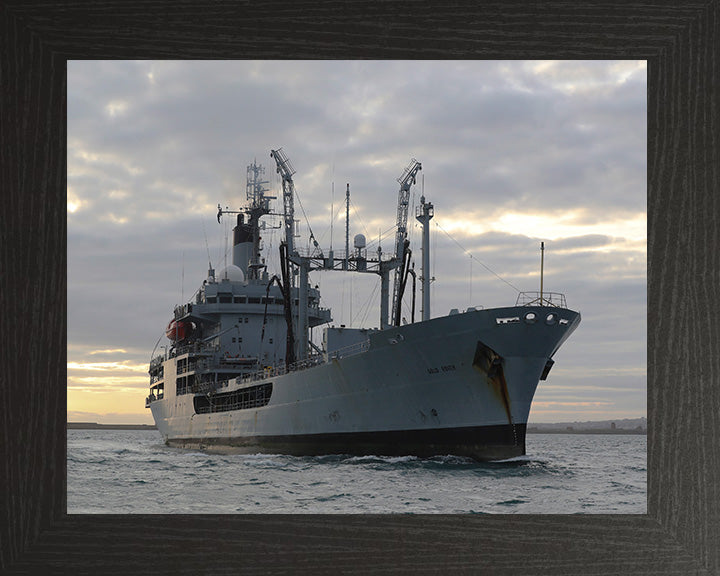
point(534, 430)
point(530, 429)
point(96, 426)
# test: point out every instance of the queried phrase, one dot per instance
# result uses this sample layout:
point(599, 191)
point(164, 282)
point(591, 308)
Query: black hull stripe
point(478, 442)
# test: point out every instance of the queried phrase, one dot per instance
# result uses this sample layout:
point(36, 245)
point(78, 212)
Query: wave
point(511, 502)
point(514, 460)
point(372, 459)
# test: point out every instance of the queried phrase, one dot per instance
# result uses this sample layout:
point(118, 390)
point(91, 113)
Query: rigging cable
point(382, 235)
point(356, 213)
point(476, 260)
point(312, 236)
point(365, 308)
point(207, 247)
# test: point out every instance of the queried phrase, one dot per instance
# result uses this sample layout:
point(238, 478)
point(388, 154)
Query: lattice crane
point(406, 180)
point(286, 170)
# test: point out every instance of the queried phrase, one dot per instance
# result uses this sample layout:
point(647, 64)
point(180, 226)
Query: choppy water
point(132, 471)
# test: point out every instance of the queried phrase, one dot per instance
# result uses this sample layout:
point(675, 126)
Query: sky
point(513, 153)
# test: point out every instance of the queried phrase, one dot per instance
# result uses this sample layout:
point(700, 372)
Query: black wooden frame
point(681, 532)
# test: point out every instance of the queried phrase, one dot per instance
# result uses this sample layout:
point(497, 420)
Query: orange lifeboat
point(177, 331)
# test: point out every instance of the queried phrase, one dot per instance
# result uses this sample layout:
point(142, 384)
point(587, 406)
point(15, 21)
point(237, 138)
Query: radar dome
point(232, 273)
point(360, 241)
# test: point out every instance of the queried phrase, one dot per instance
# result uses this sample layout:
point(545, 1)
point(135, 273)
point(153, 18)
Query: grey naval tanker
point(242, 374)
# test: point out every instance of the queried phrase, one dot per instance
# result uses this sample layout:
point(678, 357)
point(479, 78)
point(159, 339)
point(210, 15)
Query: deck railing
point(352, 350)
point(314, 360)
point(555, 299)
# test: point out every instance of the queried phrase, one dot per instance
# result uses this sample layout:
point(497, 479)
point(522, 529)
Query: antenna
point(542, 264)
point(347, 226)
point(332, 212)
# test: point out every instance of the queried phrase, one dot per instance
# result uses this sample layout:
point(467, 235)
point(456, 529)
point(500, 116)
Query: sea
point(134, 472)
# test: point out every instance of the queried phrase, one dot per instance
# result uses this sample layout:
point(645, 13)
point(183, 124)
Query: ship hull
point(461, 384)
point(478, 442)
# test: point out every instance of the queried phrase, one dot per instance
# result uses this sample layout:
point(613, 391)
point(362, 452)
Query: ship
point(241, 372)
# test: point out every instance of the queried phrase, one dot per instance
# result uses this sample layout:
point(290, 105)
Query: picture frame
point(680, 532)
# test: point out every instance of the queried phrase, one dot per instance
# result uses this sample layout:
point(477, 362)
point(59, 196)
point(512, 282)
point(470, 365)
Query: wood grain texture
point(681, 532)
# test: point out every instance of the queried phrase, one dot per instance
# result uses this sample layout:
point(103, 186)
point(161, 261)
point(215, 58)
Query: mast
point(259, 206)
point(384, 268)
point(246, 234)
point(424, 214)
point(302, 311)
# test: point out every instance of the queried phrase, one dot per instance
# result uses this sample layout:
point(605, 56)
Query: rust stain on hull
point(489, 363)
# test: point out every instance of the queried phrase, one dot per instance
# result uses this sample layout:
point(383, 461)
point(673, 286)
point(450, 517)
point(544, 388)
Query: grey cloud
point(492, 137)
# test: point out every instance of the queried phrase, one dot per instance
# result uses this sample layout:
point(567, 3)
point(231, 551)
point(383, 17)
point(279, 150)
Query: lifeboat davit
point(177, 331)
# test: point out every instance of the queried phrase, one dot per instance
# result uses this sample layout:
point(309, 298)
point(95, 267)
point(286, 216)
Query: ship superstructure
point(242, 372)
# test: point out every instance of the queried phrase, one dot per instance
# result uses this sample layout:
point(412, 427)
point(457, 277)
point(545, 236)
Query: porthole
point(531, 317)
point(550, 319)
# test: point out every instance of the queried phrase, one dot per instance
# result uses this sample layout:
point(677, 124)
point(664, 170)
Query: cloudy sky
point(513, 153)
